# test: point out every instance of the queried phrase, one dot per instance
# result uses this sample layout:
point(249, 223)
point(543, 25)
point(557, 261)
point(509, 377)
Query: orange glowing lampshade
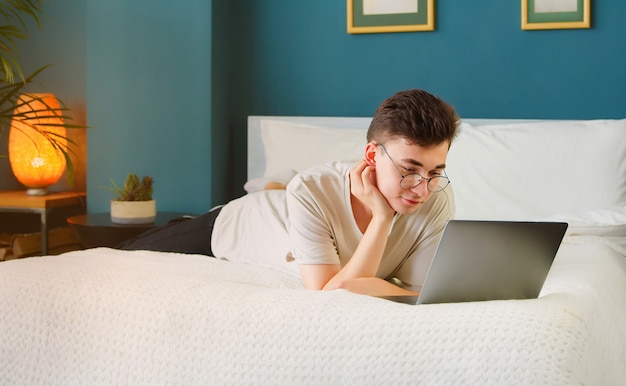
point(35, 140)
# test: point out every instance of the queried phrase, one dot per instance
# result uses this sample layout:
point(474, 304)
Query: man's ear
point(370, 154)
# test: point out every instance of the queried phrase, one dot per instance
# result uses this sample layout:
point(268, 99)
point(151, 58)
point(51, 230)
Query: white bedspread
point(103, 316)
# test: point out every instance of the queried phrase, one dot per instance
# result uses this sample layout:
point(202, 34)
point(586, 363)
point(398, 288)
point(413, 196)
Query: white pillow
point(293, 146)
point(535, 170)
point(598, 222)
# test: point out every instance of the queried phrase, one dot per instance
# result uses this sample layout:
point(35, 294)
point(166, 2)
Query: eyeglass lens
point(435, 184)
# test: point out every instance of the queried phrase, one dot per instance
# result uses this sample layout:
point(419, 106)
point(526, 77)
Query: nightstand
point(19, 201)
point(97, 230)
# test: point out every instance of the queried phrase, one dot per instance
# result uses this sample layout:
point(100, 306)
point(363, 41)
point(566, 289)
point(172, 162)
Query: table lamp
point(35, 141)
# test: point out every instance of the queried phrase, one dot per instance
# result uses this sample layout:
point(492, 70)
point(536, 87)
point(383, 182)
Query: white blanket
point(104, 316)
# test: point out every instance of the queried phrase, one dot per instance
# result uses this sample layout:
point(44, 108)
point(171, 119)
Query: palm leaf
point(14, 17)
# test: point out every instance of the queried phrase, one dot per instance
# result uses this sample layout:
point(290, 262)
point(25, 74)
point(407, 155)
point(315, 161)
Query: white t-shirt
point(253, 230)
point(312, 222)
point(322, 228)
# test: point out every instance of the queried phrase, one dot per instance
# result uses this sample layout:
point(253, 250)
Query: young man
point(382, 217)
point(370, 227)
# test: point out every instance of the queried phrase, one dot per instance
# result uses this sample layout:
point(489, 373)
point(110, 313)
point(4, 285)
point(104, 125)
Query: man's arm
point(375, 286)
point(313, 274)
point(366, 259)
point(367, 256)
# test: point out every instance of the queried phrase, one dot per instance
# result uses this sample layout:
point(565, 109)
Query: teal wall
point(304, 62)
point(149, 99)
point(169, 87)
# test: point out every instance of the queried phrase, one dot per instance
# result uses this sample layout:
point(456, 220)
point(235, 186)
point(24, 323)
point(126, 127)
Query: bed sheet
point(108, 316)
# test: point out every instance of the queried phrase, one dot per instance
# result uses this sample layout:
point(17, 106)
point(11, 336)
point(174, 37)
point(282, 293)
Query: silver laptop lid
point(491, 260)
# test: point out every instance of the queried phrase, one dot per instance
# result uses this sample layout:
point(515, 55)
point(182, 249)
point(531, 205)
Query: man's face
point(408, 158)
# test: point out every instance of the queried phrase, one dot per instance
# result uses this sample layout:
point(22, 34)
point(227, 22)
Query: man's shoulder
point(330, 168)
point(441, 203)
point(446, 196)
point(322, 174)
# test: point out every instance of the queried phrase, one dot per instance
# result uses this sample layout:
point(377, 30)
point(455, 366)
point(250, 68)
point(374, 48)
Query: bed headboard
point(493, 163)
point(256, 149)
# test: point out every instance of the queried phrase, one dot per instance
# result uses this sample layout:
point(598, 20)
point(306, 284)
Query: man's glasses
point(411, 180)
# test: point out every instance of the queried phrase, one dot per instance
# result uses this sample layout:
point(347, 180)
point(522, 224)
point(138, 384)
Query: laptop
point(489, 260)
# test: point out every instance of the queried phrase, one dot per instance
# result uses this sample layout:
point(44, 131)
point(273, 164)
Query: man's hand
point(363, 187)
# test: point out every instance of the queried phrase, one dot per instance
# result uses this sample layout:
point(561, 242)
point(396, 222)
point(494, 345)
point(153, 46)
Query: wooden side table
point(19, 201)
point(97, 230)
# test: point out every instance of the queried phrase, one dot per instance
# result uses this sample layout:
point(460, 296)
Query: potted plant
point(133, 202)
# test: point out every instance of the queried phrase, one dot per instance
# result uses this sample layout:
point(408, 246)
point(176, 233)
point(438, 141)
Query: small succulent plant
point(133, 189)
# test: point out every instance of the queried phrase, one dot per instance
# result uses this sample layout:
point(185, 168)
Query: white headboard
point(494, 164)
point(256, 149)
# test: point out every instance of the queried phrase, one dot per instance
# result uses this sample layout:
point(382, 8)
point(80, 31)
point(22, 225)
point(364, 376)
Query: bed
point(105, 316)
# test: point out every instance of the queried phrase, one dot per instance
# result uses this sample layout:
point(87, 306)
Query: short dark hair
point(416, 116)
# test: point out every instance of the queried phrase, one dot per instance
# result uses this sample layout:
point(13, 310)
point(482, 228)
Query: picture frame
point(378, 16)
point(555, 14)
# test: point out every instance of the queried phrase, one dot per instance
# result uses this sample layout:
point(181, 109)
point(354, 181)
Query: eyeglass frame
point(422, 178)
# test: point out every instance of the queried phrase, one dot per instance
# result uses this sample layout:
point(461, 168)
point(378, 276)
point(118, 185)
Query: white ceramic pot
point(133, 212)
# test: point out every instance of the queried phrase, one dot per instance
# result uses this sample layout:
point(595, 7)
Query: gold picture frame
point(556, 14)
point(378, 16)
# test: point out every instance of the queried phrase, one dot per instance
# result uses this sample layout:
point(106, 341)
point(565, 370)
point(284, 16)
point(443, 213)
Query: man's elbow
point(335, 284)
point(358, 285)
point(319, 277)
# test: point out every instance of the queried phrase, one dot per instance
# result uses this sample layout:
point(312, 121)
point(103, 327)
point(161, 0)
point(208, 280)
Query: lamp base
point(37, 191)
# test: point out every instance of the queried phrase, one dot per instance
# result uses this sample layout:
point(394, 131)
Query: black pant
point(184, 235)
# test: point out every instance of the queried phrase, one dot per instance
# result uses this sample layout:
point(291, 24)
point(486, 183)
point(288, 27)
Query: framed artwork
point(375, 16)
point(555, 14)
